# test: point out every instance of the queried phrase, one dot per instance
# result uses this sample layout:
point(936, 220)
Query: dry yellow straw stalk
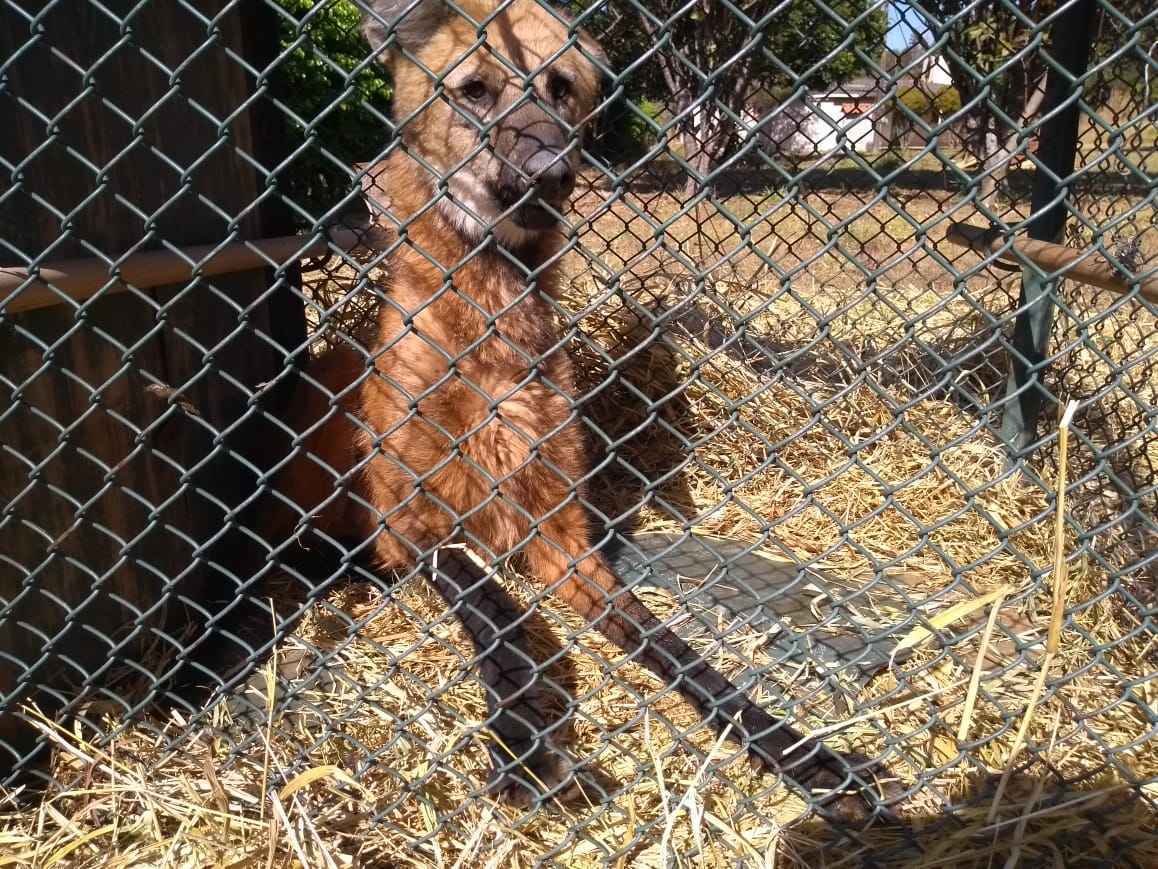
point(978, 666)
point(1060, 569)
point(1060, 574)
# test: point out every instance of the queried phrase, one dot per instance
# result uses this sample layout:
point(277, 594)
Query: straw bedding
point(380, 762)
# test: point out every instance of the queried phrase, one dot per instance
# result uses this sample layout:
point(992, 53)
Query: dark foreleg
point(525, 765)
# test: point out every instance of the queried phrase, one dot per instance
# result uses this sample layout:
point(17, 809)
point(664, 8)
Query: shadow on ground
point(1040, 821)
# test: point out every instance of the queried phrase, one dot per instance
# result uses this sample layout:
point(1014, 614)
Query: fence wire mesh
point(325, 395)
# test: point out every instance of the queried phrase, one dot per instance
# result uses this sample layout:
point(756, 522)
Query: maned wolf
point(460, 426)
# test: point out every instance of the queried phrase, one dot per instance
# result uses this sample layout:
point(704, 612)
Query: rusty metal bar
point(1051, 258)
point(81, 279)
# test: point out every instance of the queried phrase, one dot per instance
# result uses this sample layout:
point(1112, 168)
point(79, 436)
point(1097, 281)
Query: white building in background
point(839, 118)
point(843, 118)
point(848, 116)
point(933, 71)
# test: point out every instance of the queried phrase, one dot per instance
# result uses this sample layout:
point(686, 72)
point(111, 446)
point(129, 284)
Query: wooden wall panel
point(120, 136)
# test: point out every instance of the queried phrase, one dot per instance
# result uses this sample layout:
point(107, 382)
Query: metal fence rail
point(822, 419)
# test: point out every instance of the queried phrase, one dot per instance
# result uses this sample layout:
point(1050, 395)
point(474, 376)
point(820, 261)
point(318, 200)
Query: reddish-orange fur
point(459, 424)
point(497, 444)
point(492, 411)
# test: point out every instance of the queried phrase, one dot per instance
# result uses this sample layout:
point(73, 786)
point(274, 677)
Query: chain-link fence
point(336, 423)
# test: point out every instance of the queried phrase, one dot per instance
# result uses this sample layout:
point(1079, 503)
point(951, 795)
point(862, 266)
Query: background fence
point(821, 428)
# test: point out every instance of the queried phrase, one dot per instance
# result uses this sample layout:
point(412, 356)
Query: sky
point(902, 21)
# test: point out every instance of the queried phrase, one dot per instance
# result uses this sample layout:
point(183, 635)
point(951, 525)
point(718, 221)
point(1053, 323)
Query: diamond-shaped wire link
point(793, 390)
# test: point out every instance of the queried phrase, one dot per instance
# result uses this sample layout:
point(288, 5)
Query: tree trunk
point(696, 154)
point(991, 154)
point(998, 154)
point(706, 145)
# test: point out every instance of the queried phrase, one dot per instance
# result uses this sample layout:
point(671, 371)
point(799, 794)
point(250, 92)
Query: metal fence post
point(1072, 38)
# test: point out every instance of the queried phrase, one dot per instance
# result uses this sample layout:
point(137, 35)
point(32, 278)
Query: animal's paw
point(543, 774)
point(832, 778)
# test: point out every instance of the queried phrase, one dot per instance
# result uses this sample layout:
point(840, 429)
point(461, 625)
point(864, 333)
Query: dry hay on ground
point(810, 455)
point(134, 803)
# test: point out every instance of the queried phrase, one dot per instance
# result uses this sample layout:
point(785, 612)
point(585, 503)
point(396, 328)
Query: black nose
point(551, 175)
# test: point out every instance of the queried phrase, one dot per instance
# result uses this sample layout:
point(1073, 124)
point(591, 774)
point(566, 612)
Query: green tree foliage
point(947, 101)
point(338, 103)
point(931, 103)
point(916, 100)
point(998, 76)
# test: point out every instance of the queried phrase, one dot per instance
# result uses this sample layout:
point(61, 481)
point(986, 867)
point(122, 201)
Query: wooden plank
point(78, 280)
point(1082, 266)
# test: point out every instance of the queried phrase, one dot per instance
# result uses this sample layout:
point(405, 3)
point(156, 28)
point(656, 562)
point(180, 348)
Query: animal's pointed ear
point(411, 21)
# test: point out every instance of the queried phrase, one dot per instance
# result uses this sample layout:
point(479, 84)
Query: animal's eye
point(474, 89)
point(560, 88)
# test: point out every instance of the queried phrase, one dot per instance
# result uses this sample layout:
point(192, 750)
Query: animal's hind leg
point(525, 766)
